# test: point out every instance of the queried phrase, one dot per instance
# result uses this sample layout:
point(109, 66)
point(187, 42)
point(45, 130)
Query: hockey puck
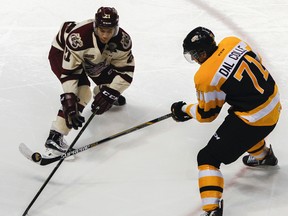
point(36, 157)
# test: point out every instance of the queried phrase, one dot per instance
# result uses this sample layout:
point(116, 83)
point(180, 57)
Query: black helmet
point(199, 40)
point(106, 17)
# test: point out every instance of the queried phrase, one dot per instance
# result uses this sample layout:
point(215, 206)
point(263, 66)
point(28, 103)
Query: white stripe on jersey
point(263, 112)
point(210, 96)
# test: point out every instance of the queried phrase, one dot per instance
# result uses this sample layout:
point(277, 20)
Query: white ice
point(153, 171)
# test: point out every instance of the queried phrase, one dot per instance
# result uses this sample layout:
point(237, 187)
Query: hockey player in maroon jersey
point(230, 72)
point(96, 50)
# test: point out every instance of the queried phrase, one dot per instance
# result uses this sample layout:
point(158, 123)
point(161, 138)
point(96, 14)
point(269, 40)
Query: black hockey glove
point(104, 100)
point(72, 116)
point(177, 113)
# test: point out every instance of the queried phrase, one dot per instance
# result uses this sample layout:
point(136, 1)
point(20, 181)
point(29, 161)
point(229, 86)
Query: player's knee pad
point(205, 156)
point(84, 94)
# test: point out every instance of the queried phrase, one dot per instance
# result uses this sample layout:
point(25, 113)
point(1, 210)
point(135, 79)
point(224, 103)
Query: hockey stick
point(59, 163)
point(37, 158)
point(45, 161)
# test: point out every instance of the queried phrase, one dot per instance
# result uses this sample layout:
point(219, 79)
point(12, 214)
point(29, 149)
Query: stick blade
point(29, 154)
point(25, 151)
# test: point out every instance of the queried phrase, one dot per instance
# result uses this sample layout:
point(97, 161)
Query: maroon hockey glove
point(72, 116)
point(104, 100)
point(177, 113)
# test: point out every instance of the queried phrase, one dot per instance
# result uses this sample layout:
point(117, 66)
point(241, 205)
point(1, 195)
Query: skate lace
point(59, 140)
point(62, 143)
point(251, 159)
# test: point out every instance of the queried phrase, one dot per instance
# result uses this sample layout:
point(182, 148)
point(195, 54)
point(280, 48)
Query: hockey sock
point(211, 184)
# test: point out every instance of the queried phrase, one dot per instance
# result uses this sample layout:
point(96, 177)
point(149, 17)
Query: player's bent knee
point(206, 157)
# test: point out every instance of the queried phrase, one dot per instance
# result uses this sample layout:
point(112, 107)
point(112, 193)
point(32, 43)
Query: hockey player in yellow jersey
point(230, 72)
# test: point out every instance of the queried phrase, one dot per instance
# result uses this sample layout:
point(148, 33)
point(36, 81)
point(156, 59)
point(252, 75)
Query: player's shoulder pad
point(231, 39)
point(122, 40)
point(81, 36)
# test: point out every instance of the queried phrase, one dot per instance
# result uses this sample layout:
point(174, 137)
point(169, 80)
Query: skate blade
point(51, 153)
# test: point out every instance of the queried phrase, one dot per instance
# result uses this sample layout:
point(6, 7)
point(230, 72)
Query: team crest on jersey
point(75, 40)
point(125, 41)
point(94, 70)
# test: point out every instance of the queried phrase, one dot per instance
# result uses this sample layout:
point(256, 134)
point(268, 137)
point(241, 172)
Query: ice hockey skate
point(56, 145)
point(215, 212)
point(269, 160)
point(120, 101)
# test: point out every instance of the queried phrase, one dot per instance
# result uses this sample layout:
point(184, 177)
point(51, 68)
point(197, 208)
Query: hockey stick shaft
point(58, 165)
point(46, 161)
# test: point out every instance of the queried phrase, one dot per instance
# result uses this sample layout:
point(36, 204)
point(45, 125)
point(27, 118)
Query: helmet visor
point(191, 56)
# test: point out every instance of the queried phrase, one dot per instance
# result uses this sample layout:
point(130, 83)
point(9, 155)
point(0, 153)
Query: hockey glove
point(104, 100)
point(177, 114)
point(72, 116)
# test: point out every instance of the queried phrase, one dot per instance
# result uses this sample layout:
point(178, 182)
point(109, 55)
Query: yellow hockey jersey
point(235, 74)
